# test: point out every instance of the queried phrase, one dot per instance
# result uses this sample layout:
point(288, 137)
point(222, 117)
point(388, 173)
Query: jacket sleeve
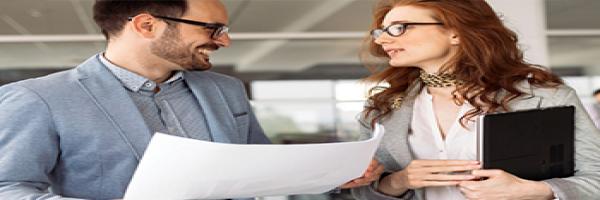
point(369, 192)
point(256, 134)
point(29, 146)
point(585, 184)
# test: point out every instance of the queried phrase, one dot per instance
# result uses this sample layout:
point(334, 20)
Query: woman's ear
point(454, 39)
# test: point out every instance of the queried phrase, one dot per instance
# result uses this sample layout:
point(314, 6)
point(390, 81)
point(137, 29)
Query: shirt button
point(148, 84)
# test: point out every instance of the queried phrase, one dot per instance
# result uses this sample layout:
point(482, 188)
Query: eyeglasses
point(218, 28)
point(397, 29)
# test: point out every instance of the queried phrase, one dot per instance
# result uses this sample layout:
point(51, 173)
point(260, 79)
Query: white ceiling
point(65, 17)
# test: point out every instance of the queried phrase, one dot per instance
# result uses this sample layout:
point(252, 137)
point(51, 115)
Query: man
point(81, 133)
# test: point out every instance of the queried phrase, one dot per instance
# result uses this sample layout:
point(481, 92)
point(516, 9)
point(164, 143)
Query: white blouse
point(426, 141)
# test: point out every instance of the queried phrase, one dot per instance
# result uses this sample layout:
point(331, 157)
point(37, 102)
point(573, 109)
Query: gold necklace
point(397, 101)
point(439, 80)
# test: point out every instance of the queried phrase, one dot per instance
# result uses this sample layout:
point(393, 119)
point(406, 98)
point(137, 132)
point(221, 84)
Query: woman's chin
point(400, 64)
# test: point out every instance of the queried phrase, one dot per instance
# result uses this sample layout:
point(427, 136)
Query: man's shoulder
point(220, 79)
point(50, 83)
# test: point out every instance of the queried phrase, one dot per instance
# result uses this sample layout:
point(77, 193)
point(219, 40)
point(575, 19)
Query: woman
point(450, 61)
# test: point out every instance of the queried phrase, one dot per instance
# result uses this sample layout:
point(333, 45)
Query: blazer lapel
point(218, 116)
point(112, 99)
point(398, 127)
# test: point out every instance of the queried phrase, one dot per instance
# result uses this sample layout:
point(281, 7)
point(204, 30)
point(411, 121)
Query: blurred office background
point(298, 58)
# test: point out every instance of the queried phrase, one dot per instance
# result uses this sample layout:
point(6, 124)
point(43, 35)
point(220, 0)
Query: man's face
point(190, 46)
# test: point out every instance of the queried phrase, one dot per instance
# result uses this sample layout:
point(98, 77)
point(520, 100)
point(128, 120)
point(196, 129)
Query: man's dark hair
point(112, 15)
point(597, 91)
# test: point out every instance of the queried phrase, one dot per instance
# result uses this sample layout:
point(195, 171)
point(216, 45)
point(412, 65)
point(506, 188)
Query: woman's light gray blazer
point(395, 153)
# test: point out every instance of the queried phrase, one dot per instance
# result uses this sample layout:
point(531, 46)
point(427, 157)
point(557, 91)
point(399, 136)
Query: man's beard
point(171, 48)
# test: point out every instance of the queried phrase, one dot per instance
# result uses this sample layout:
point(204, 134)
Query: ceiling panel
point(231, 55)
point(354, 17)
point(573, 14)
point(5, 28)
point(303, 54)
point(46, 55)
point(41, 16)
point(271, 15)
point(62, 17)
point(574, 51)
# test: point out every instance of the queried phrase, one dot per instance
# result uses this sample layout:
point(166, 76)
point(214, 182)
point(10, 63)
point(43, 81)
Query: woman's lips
point(393, 52)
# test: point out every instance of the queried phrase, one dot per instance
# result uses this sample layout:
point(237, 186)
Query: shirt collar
point(133, 81)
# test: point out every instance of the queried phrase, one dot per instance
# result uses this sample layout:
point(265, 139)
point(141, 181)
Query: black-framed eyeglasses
point(218, 28)
point(397, 29)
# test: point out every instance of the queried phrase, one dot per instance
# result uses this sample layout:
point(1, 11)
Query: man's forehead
point(207, 10)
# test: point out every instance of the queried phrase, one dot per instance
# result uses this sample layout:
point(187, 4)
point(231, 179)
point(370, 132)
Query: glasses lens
point(396, 29)
point(376, 33)
point(220, 31)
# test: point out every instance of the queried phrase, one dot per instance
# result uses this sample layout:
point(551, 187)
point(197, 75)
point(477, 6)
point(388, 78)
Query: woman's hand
point(428, 173)
point(502, 185)
point(372, 173)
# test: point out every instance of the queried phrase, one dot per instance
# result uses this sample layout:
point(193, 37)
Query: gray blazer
point(395, 153)
point(79, 134)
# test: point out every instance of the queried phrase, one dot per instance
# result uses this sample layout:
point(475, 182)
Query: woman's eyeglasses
point(397, 29)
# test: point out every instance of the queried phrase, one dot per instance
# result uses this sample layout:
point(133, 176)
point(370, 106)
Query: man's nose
point(223, 40)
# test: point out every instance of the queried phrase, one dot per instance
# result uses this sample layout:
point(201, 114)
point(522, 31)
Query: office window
point(308, 111)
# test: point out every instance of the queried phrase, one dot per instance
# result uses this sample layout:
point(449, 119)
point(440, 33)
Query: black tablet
point(531, 144)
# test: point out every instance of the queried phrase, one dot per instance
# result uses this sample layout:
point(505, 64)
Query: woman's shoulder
point(553, 91)
point(544, 90)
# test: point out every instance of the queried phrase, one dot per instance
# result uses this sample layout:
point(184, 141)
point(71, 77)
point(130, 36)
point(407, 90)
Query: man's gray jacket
point(79, 134)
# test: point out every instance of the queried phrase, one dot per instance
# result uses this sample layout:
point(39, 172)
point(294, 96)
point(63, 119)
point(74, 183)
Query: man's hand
point(372, 174)
point(502, 185)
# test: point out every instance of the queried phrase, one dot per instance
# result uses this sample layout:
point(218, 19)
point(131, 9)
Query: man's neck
point(138, 65)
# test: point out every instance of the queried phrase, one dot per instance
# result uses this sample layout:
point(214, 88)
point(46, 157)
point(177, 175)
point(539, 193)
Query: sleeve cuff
point(370, 193)
point(560, 188)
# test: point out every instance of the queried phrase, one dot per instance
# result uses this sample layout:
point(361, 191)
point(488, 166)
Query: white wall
point(528, 19)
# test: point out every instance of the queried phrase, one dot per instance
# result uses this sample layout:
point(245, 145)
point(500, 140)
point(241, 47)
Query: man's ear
point(144, 25)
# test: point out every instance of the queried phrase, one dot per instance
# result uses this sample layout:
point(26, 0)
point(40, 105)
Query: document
point(181, 168)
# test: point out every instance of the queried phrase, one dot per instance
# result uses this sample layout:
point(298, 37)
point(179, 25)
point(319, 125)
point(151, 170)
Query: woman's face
point(425, 46)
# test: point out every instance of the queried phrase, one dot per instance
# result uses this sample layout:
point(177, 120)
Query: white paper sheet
point(180, 168)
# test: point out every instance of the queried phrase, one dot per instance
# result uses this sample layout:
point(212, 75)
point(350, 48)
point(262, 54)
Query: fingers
point(445, 177)
point(349, 185)
point(368, 177)
point(380, 169)
point(487, 172)
point(357, 183)
point(440, 183)
point(435, 163)
point(435, 180)
point(432, 173)
point(422, 184)
point(469, 185)
point(373, 165)
point(448, 169)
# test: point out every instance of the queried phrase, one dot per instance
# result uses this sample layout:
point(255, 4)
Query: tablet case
point(533, 144)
